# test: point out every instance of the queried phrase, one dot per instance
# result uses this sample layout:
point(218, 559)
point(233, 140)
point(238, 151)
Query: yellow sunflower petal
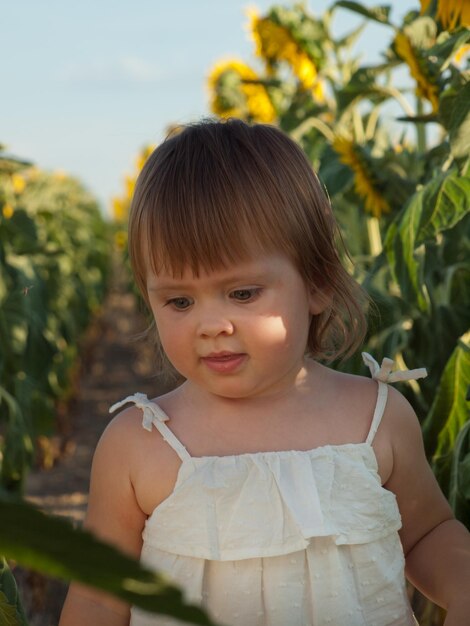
point(364, 187)
point(453, 13)
point(7, 210)
point(19, 183)
point(425, 87)
point(424, 6)
point(275, 43)
point(258, 103)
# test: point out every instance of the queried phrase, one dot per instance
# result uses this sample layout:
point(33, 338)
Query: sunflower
point(19, 183)
point(425, 87)
point(453, 13)
point(275, 43)
point(462, 53)
point(364, 184)
point(119, 207)
point(424, 6)
point(254, 100)
point(144, 155)
point(130, 185)
point(120, 239)
point(7, 210)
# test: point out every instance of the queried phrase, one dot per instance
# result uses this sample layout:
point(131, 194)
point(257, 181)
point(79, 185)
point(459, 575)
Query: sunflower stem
point(420, 127)
point(375, 239)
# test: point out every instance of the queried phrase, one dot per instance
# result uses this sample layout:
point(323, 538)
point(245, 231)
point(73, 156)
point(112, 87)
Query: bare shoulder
point(126, 458)
point(362, 394)
point(119, 445)
point(125, 438)
point(150, 463)
point(401, 426)
point(357, 394)
point(123, 431)
point(111, 484)
point(353, 399)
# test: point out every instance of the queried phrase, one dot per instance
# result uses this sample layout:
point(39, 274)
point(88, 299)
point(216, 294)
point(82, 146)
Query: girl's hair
point(216, 188)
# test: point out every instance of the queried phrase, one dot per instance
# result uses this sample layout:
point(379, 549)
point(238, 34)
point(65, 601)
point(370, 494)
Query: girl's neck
point(305, 385)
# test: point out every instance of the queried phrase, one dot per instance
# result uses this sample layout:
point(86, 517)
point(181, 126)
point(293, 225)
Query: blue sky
point(86, 84)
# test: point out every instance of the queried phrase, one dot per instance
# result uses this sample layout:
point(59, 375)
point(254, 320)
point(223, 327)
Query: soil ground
point(113, 366)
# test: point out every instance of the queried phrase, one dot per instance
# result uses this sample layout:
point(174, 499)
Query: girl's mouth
point(224, 362)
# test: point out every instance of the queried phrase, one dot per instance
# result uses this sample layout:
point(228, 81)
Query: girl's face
point(239, 332)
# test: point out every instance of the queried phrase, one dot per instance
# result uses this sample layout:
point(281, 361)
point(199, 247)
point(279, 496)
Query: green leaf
point(10, 163)
point(51, 545)
point(8, 614)
point(348, 40)
point(445, 201)
point(22, 232)
point(405, 261)
point(362, 85)
point(448, 44)
point(11, 610)
point(459, 131)
point(377, 14)
point(419, 119)
point(438, 206)
point(459, 490)
point(449, 412)
point(334, 175)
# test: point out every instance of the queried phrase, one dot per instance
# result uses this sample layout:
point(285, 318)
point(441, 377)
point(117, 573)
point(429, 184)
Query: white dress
point(290, 538)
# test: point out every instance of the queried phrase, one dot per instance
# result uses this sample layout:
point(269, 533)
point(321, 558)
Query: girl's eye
point(180, 303)
point(244, 295)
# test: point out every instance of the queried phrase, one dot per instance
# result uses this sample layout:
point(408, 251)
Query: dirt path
point(114, 366)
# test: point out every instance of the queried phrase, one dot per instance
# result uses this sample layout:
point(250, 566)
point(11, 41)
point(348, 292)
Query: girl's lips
point(224, 363)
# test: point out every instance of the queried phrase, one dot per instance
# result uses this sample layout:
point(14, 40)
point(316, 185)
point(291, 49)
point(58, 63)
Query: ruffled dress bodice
point(284, 538)
point(271, 503)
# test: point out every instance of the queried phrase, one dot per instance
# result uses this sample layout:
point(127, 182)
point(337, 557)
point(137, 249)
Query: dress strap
point(382, 394)
point(383, 374)
point(153, 414)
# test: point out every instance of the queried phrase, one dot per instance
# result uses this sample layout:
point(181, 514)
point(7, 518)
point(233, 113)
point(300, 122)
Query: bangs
point(206, 225)
point(209, 201)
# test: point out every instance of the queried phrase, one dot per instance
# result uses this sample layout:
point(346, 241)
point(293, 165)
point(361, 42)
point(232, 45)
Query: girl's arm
point(114, 516)
point(436, 545)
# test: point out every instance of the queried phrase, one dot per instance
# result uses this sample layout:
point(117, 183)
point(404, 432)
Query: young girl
point(272, 489)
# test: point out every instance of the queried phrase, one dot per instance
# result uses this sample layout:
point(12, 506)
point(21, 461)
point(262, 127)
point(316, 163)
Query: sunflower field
point(54, 264)
point(54, 268)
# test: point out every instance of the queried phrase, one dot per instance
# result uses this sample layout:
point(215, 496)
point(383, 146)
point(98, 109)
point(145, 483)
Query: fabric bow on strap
point(384, 372)
point(149, 409)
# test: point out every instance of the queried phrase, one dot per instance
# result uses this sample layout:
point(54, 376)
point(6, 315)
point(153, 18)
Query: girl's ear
point(319, 300)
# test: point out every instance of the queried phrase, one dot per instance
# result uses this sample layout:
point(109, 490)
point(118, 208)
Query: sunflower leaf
point(377, 14)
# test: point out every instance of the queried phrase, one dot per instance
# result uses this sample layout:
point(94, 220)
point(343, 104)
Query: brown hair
point(212, 189)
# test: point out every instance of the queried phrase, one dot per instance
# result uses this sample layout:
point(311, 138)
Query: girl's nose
point(214, 323)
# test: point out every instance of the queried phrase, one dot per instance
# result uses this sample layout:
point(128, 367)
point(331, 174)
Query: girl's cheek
point(274, 329)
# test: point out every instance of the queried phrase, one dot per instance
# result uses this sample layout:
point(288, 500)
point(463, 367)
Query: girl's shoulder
point(131, 438)
point(354, 394)
point(361, 393)
point(356, 399)
point(137, 447)
point(124, 432)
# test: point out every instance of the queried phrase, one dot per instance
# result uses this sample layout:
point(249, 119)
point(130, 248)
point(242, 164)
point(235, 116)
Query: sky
point(86, 84)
